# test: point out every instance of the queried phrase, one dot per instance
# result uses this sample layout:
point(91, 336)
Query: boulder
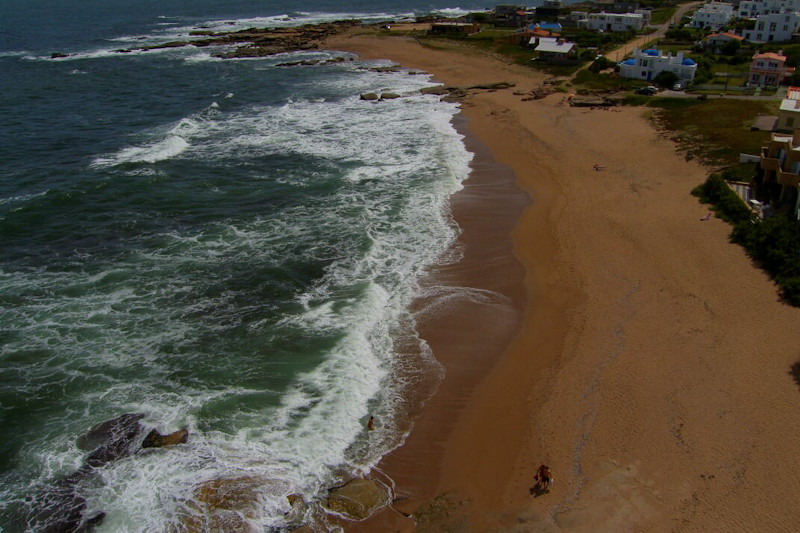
point(358, 498)
point(154, 439)
point(389, 96)
point(223, 505)
point(124, 427)
point(369, 96)
point(111, 439)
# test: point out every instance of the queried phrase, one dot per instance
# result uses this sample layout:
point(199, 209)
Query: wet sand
point(635, 350)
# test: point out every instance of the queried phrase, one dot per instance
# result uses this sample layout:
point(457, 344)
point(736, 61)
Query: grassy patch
point(715, 131)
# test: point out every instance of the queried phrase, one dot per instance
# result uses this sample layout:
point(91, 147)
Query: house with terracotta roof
point(789, 113)
point(768, 69)
point(716, 41)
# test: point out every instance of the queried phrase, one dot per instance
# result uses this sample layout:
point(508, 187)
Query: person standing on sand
point(543, 477)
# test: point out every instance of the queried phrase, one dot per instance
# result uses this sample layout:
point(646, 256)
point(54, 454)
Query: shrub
point(666, 79)
point(774, 242)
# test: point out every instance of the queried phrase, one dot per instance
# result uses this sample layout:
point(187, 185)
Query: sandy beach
point(601, 328)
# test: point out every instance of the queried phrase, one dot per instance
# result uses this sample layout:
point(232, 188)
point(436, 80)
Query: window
point(773, 26)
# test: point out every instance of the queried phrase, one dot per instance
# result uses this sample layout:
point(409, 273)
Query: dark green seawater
point(227, 246)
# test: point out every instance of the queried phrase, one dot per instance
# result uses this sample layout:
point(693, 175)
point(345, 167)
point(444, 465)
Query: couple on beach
point(544, 479)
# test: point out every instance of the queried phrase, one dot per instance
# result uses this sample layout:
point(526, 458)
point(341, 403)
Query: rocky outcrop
point(389, 96)
point(369, 96)
point(358, 498)
point(61, 509)
point(260, 42)
point(451, 93)
point(154, 439)
point(223, 505)
point(609, 100)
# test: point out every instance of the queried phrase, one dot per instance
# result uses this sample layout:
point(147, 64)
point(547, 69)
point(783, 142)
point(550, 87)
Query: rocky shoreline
point(253, 42)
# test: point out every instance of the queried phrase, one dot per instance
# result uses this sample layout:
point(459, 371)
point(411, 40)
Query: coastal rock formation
point(454, 94)
point(260, 42)
point(389, 96)
point(369, 96)
point(596, 100)
point(111, 439)
point(223, 505)
point(358, 498)
point(61, 508)
point(154, 439)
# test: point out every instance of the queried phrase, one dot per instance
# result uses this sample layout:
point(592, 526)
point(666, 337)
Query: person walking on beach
point(543, 477)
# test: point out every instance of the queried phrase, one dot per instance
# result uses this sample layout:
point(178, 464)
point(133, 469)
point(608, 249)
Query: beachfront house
point(768, 69)
point(554, 50)
point(713, 15)
point(512, 15)
point(716, 42)
point(616, 6)
point(613, 22)
point(553, 28)
point(750, 9)
point(780, 162)
point(647, 64)
point(549, 10)
point(789, 113)
point(775, 27)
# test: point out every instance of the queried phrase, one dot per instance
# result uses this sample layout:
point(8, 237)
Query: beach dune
point(628, 344)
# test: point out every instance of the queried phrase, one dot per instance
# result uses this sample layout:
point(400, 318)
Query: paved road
point(618, 54)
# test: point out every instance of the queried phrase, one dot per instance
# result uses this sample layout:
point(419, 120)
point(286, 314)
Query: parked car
point(679, 86)
point(649, 91)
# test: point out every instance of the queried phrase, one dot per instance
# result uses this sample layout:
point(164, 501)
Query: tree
point(665, 78)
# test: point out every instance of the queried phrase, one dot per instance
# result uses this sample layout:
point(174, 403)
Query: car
point(649, 91)
point(679, 86)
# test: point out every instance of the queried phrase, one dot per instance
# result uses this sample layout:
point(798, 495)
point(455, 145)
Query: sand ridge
point(650, 368)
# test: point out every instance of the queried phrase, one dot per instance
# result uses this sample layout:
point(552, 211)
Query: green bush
point(666, 79)
point(725, 202)
point(773, 242)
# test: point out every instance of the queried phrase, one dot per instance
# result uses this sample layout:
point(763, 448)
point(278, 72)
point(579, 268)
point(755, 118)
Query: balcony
point(770, 163)
point(789, 179)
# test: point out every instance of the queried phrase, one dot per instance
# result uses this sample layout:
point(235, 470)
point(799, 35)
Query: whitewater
point(227, 246)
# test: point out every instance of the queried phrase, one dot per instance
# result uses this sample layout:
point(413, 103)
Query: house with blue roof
point(552, 27)
point(647, 64)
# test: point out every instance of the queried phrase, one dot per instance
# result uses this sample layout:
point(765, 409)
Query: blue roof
point(687, 62)
point(630, 61)
point(546, 26)
point(651, 52)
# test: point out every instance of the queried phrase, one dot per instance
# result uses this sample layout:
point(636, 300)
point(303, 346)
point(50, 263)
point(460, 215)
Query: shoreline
point(648, 342)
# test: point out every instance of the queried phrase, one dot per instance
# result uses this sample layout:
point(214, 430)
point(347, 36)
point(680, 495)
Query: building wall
point(647, 67)
point(614, 22)
point(777, 27)
point(714, 15)
point(753, 8)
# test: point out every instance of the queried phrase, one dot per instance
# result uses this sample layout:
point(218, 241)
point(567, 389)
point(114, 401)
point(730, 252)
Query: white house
point(753, 8)
point(789, 114)
point(714, 15)
point(613, 22)
point(647, 64)
point(776, 27)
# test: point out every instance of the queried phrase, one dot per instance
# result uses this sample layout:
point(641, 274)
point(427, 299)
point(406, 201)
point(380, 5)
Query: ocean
point(227, 246)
